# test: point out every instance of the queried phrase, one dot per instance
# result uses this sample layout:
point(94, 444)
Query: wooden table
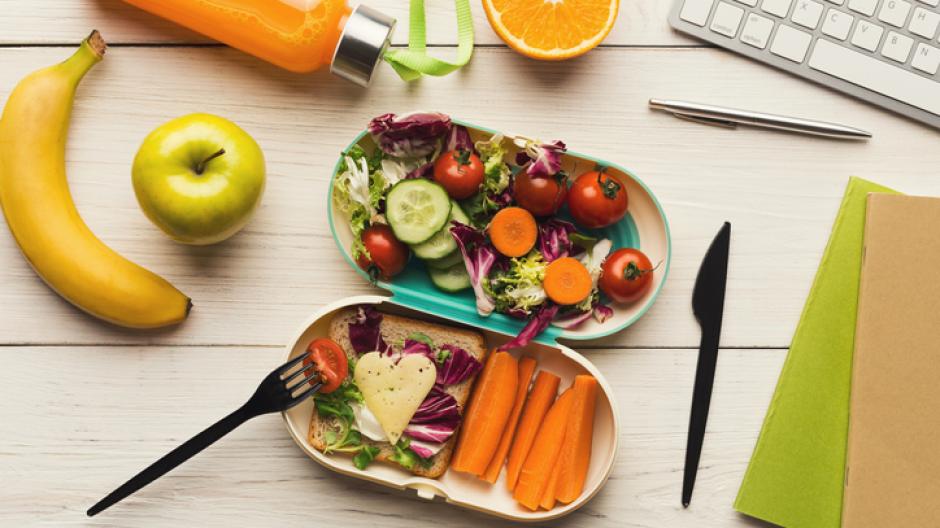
point(84, 405)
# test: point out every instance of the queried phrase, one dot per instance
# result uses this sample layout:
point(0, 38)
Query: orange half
point(552, 29)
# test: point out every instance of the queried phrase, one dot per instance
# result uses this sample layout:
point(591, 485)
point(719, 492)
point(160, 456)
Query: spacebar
point(875, 75)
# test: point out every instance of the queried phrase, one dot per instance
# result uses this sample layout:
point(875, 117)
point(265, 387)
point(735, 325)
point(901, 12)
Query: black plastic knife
point(708, 304)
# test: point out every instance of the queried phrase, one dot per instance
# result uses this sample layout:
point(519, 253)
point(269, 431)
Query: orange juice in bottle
point(298, 35)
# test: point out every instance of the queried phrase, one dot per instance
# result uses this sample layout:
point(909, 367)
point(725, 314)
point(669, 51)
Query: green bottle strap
point(411, 63)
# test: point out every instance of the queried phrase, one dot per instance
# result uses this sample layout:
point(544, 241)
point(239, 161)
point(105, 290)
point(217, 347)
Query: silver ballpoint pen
point(731, 118)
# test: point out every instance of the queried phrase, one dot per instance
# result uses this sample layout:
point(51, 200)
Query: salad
point(498, 216)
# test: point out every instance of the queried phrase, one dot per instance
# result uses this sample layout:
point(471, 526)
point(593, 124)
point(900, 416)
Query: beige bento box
point(456, 488)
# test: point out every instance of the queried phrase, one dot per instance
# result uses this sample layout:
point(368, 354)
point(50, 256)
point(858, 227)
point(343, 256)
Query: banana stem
point(201, 167)
point(88, 54)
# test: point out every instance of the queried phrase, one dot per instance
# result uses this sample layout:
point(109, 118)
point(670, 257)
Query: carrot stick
point(548, 497)
point(575, 456)
point(567, 281)
point(537, 404)
point(526, 368)
point(537, 469)
point(513, 231)
point(487, 414)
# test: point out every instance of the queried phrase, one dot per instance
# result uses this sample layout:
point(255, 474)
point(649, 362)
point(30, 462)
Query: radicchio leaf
point(479, 257)
point(459, 139)
point(365, 331)
point(411, 135)
point(544, 159)
point(572, 319)
point(534, 327)
point(602, 312)
point(436, 419)
point(425, 450)
point(553, 239)
point(516, 312)
point(412, 346)
point(425, 171)
point(458, 366)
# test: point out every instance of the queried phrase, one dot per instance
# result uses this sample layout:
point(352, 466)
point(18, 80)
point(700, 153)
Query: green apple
point(199, 178)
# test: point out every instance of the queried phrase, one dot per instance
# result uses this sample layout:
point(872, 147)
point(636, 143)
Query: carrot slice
point(548, 497)
point(567, 281)
point(537, 469)
point(537, 404)
point(526, 368)
point(487, 414)
point(513, 231)
point(575, 456)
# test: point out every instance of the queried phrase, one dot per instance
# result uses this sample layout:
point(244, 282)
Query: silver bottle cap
point(365, 38)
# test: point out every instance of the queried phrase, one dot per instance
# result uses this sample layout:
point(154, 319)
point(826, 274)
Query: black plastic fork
point(278, 392)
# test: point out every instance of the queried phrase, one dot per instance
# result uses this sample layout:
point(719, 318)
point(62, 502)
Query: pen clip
point(723, 123)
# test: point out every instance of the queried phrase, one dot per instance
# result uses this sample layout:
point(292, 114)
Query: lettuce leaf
point(359, 191)
point(494, 193)
point(518, 287)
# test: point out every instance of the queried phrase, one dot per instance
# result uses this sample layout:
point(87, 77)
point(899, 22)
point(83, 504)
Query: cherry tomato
point(330, 361)
point(597, 199)
point(387, 255)
point(460, 172)
point(626, 275)
point(540, 196)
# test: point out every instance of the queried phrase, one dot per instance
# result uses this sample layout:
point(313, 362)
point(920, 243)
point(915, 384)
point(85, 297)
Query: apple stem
point(202, 165)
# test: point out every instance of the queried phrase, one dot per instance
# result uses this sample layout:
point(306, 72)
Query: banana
point(39, 210)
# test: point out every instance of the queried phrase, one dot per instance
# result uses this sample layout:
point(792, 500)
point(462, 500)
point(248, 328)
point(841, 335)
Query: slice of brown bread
point(395, 329)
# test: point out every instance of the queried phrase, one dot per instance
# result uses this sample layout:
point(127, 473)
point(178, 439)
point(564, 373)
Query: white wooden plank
point(780, 191)
point(641, 22)
point(77, 422)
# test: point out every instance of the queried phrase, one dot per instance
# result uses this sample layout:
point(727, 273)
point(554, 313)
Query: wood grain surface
point(84, 405)
point(73, 433)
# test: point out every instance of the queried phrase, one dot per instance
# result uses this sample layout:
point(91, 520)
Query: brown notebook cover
point(893, 459)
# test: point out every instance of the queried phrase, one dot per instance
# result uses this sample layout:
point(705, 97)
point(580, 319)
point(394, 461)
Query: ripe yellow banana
point(41, 215)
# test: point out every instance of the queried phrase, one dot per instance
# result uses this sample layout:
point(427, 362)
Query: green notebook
point(795, 475)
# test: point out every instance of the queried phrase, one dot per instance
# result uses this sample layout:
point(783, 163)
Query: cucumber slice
point(445, 262)
point(416, 210)
point(452, 279)
point(442, 243)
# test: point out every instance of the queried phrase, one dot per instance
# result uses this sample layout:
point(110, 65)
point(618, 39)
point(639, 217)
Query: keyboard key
point(933, 3)
point(727, 19)
point(926, 59)
point(867, 35)
point(807, 13)
point(865, 7)
point(897, 47)
point(757, 30)
point(840, 2)
point(696, 11)
point(791, 43)
point(777, 7)
point(894, 12)
point(749, 3)
point(837, 24)
point(864, 70)
point(924, 23)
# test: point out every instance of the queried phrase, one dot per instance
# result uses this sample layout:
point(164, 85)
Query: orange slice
point(552, 29)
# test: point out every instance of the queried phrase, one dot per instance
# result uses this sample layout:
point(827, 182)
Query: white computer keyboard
point(883, 51)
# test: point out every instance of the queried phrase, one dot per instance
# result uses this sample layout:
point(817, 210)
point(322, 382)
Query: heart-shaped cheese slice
point(393, 392)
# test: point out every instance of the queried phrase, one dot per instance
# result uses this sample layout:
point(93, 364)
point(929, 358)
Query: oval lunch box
point(413, 295)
